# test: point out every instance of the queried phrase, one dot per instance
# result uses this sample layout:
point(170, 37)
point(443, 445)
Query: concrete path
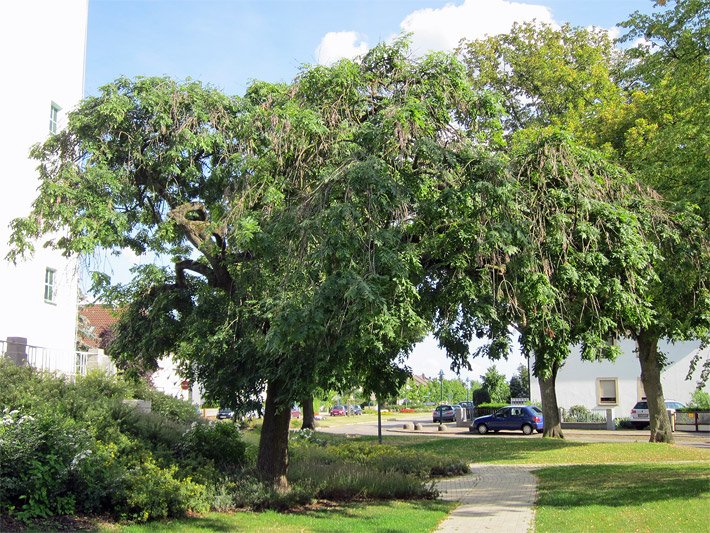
point(493, 498)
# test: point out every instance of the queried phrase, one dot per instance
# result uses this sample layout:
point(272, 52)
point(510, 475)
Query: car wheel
point(482, 429)
point(527, 429)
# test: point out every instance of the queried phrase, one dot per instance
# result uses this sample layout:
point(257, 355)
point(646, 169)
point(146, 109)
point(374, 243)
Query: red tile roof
point(101, 318)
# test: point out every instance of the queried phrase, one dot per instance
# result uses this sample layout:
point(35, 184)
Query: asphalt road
point(394, 424)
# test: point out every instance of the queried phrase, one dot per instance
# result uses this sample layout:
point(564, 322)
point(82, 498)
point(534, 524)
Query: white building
point(617, 385)
point(42, 45)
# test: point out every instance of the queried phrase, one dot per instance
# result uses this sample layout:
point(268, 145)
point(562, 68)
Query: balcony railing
point(71, 364)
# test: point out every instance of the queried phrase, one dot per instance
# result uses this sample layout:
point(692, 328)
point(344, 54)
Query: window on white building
point(54, 118)
point(50, 289)
point(607, 391)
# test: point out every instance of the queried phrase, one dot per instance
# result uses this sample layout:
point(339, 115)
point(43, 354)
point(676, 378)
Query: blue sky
point(227, 43)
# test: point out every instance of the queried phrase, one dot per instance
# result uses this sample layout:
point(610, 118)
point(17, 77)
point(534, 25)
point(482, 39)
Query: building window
point(640, 391)
point(607, 391)
point(54, 118)
point(50, 289)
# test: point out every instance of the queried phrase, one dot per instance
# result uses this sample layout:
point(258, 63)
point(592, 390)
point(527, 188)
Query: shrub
point(220, 443)
point(579, 413)
point(350, 480)
point(249, 492)
point(700, 400)
point(37, 455)
point(152, 492)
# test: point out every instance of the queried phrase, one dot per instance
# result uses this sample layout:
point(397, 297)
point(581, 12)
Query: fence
point(71, 364)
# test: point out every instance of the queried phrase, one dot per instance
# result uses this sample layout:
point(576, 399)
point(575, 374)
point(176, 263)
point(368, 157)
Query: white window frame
point(50, 286)
point(54, 110)
point(600, 399)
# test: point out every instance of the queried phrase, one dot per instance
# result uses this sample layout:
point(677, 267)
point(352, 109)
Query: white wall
point(42, 61)
point(576, 381)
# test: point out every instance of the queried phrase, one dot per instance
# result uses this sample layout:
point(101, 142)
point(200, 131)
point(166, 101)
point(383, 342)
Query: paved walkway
point(493, 498)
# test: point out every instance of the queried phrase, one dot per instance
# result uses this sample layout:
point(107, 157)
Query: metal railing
point(71, 364)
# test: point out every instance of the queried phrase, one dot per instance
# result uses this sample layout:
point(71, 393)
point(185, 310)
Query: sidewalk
point(493, 498)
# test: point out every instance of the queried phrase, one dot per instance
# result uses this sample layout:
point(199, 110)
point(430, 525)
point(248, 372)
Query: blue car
point(525, 418)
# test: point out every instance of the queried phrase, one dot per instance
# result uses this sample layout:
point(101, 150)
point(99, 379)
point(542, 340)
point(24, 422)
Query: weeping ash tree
point(285, 213)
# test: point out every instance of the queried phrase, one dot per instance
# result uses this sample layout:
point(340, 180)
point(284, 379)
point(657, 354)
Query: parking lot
point(394, 424)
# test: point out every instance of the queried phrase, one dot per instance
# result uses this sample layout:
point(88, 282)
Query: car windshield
point(536, 409)
point(641, 405)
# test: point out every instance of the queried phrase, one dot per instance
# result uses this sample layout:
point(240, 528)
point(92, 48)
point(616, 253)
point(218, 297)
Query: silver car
point(639, 414)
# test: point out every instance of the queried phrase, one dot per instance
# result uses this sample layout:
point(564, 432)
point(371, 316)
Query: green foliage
point(219, 443)
point(547, 75)
point(579, 413)
point(700, 400)
point(75, 447)
point(662, 135)
point(38, 454)
point(520, 383)
point(494, 383)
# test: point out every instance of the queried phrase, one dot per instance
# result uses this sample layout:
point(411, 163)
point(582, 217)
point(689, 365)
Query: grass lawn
point(635, 497)
point(501, 450)
point(389, 517)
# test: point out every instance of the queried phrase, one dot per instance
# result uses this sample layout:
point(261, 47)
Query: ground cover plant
point(631, 497)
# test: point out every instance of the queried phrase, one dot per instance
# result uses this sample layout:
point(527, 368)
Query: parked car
point(355, 410)
point(295, 412)
point(443, 413)
point(525, 418)
point(224, 413)
point(639, 414)
point(338, 410)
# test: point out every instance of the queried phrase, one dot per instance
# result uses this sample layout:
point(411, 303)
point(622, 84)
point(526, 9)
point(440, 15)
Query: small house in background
point(95, 332)
point(617, 385)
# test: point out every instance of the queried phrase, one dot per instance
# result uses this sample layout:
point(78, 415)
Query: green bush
point(74, 447)
point(151, 492)
point(579, 413)
point(700, 400)
point(37, 456)
point(249, 492)
point(220, 443)
point(350, 480)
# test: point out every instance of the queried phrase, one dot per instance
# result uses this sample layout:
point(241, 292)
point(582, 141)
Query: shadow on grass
point(489, 449)
point(621, 485)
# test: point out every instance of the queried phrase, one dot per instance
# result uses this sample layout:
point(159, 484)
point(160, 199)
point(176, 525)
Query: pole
point(379, 421)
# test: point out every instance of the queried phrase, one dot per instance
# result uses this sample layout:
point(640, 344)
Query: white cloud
point(442, 29)
point(337, 45)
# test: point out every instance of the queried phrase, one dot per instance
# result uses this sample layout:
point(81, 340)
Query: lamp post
point(441, 396)
point(468, 387)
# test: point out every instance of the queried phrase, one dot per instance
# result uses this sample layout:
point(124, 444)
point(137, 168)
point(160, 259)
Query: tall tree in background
point(662, 134)
point(493, 382)
point(547, 76)
point(520, 383)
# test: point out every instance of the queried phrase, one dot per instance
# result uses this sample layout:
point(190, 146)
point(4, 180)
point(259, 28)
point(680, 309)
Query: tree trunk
point(272, 462)
point(309, 417)
point(661, 430)
point(552, 425)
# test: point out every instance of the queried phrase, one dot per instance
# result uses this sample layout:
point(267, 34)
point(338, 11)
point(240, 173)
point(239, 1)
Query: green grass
point(501, 450)
point(389, 517)
point(646, 497)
